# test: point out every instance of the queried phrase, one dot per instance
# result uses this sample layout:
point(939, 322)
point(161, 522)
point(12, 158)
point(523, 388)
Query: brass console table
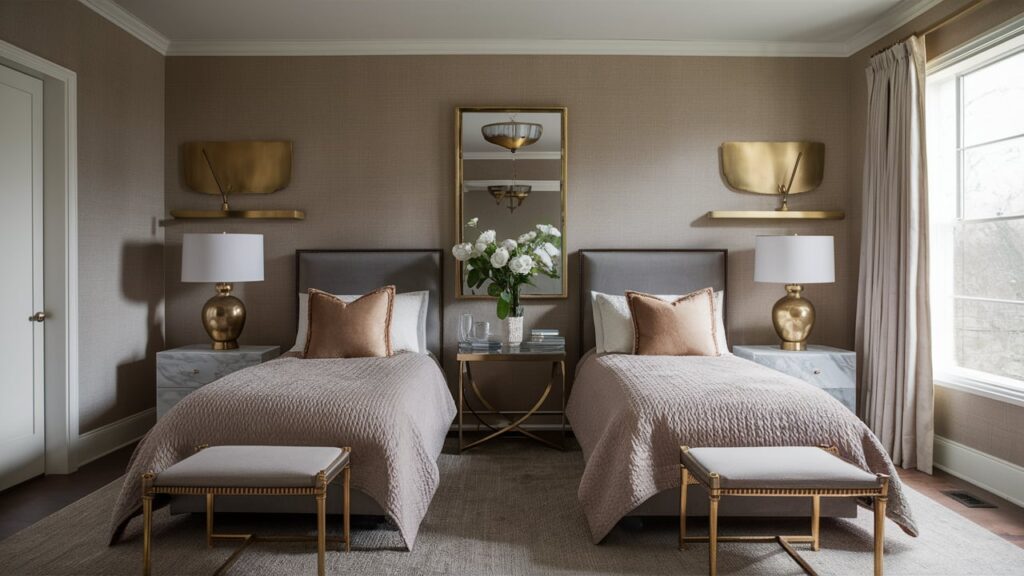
point(515, 419)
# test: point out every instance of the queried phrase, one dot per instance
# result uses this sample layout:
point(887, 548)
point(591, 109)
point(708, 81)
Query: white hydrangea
point(509, 244)
point(487, 237)
point(521, 264)
point(473, 222)
point(551, 249)
point(479, 248)
point(499, 258)
point(543, 257)
point(523, 239)
point(462, 252)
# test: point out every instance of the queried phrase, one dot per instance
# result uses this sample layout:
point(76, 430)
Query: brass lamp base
point(224, 318)
point(793, 318)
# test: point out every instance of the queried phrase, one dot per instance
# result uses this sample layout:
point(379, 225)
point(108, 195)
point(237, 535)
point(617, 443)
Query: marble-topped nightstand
point(179, 371)
point(832, 369)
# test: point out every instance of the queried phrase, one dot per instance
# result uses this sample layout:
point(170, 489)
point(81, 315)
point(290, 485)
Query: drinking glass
point(465, 327)
point(481, 331)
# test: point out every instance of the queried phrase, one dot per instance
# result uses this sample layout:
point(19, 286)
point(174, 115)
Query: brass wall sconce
point(237, 167)
point(776, 168)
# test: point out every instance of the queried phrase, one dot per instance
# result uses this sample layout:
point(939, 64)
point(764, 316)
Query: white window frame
point(1003, 42)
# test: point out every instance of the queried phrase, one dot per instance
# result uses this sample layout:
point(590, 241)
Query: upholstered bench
point(777, 471)
point(251, 471)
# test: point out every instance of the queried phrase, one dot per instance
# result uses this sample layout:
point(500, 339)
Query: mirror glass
point(511, 192)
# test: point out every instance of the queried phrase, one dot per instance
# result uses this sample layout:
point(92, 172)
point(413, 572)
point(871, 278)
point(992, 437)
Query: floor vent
point(968, 499)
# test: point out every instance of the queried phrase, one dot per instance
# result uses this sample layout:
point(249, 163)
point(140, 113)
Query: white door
point(22, 443)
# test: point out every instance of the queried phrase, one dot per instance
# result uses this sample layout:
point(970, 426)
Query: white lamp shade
point(222, 258)
point(794, 259)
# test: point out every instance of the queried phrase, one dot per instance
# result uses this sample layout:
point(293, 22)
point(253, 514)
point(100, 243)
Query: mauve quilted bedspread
point(631, 414)
point(394, 413)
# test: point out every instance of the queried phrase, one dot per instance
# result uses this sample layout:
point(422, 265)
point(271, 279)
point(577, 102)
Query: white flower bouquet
point(509, 264)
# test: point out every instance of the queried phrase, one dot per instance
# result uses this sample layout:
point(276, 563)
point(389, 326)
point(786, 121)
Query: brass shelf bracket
point(244, 167)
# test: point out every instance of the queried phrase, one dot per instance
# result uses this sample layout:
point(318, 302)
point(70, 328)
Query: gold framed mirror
point(511, 173)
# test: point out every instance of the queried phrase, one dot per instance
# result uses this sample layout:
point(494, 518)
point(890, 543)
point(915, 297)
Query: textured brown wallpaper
point(120, 198)
point(966, 418)
point(374, 168)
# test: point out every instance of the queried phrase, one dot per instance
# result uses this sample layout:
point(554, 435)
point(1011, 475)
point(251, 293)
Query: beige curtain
point(893, 319)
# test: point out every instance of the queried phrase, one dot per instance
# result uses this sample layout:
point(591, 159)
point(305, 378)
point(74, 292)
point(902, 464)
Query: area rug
point(507, 508)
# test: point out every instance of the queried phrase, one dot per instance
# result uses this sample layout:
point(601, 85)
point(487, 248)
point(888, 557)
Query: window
point(975, 124)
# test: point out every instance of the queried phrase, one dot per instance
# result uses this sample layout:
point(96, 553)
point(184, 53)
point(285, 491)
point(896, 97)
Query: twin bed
point(394, 412)
point(629, 413)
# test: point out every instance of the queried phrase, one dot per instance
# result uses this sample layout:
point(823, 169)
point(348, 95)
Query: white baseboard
point(109, 437)
point(1002, 478)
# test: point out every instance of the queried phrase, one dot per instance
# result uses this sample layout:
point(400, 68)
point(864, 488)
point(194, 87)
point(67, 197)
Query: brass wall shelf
point(239, 214)
point(777, 214)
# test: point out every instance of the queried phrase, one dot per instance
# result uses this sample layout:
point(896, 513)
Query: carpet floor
point(508, 508)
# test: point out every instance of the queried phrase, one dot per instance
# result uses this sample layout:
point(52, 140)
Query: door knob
point(37, 317)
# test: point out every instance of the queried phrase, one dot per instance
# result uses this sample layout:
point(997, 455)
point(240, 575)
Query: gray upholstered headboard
point(360, 271)
point(651, 271)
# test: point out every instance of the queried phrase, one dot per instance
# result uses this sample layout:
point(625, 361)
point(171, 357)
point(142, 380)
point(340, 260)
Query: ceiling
point(719, 27)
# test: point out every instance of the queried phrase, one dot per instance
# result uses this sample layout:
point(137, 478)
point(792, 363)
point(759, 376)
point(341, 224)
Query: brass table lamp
point(794, 261)
point(223, 259)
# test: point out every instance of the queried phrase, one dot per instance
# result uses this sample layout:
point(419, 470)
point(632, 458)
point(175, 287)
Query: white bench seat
point(797, 471)
point(251, 471)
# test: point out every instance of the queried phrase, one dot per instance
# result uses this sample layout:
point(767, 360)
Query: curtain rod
point(963, 11)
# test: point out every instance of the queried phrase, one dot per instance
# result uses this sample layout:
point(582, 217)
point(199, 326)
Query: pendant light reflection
point(512, 136)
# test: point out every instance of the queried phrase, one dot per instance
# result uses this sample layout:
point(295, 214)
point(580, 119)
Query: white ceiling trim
point(130, 24)
point(887, 24)
point(513, 47)
point(535, 185)
point(127, 21)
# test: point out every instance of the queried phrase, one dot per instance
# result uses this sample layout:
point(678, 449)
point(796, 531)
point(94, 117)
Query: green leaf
point(504, 306)
point(494, 290)
point(474, 277)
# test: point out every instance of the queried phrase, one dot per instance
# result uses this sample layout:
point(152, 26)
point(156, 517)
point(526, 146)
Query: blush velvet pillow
point(613, 322)
point(357, 329)
point(682, 327)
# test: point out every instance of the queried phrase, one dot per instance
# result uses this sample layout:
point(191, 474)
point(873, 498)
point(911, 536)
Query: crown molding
point(888, 23)
point(130, 24)
point(505, 47)
point(536, 185)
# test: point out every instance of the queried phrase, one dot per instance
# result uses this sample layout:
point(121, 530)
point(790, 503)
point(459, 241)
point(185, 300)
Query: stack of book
point(546, 339)
point(480, 346)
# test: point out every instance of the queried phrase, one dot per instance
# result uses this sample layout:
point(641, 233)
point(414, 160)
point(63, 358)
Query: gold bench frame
point(318, 490)
point(880, 497)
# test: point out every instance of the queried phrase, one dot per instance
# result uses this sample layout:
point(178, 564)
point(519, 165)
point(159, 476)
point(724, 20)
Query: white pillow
point(408, 321)
point(613, 323)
